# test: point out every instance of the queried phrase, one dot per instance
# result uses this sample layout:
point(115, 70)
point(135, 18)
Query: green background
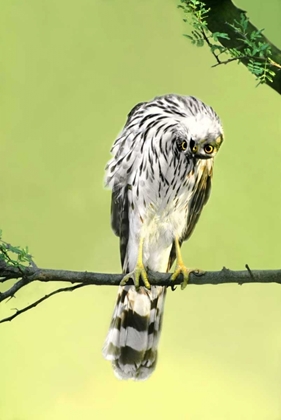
point(70, 73)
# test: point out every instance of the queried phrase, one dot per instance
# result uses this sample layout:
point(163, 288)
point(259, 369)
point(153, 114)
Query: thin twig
point(250, 272)
point(15, 288)
point(229, 60)
point(274, 64)
point(242, 57)
point(34, 304)
point(210, 46)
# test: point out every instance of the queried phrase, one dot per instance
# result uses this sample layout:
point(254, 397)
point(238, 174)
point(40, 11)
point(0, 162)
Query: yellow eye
point(194, 149)
point(208, 148)
point(183, 145)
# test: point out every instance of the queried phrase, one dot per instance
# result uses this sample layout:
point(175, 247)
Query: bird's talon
point(126, 278)
point(135, 275)
point(181, 269)
point(184, 283)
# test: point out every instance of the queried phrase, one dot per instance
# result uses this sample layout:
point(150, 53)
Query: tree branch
point(221, 17)
point(223, 12)
point(32, 305)
point(27, 275)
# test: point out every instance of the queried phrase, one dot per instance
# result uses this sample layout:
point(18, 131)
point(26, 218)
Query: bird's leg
point(138, 272)
point(181, 268)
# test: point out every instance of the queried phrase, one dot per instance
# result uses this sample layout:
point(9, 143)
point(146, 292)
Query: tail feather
point(132, 340)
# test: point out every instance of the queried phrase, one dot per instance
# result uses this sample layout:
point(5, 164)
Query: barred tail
point(132, 339)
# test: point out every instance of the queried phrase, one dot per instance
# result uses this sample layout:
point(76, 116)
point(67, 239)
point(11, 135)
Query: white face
point(201, 137)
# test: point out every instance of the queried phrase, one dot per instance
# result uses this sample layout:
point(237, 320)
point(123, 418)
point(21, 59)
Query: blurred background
point(70, 73)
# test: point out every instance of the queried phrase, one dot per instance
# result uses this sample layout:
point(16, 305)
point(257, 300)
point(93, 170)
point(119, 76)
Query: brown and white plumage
point(160, 176)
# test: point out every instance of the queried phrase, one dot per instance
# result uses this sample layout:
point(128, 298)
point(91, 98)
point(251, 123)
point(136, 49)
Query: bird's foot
point(138, 273)
point(182, 269)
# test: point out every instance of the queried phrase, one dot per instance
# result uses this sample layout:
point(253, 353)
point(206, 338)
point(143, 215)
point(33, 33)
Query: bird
point(160, 176)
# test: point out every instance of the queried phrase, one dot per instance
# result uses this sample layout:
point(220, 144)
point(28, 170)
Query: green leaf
point(217, 48)
point(217, 35)
point(200, 42)
point(188, 36)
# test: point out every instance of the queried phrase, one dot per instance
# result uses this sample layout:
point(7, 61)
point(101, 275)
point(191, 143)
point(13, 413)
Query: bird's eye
point(208, 148)
point(183, 145)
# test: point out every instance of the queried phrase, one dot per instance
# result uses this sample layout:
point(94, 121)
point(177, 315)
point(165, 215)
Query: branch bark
point(223, 12)
point(23, 277)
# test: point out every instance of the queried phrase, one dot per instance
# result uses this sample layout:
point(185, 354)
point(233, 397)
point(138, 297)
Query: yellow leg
point(181, 268)
point(138, 272)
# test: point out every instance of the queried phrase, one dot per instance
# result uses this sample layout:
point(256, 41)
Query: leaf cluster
point(14, 255)
point(253, 48)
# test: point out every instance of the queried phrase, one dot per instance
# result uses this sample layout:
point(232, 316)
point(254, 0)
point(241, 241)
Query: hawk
point(160, 176)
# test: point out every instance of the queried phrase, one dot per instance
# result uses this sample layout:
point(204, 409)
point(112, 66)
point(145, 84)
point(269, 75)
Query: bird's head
point(200, 137)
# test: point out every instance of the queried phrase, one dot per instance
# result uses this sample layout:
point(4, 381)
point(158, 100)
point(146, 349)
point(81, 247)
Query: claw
point(135, 275)
point(138, 272)
point(181, 269)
